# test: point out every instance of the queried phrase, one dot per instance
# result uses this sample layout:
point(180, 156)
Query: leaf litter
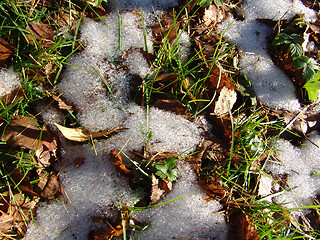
point(163, 168)
point(25, 132)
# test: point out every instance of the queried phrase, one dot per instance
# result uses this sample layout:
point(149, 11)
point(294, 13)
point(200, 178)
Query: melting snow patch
point(302, 165)
point(8, 81)
point(189, 217)
point(270, 84)
point(276, 10)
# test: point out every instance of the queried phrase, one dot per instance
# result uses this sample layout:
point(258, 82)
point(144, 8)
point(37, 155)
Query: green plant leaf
point(300, 62)
point(310, 69)
point(165, 169)
point(308, 72)
point(313, 86)
point(309, 66)
point(281, 38)
point(313, 64)
point(204, 3)
point(245, 88)
point(97, 3)
point(295, 50)
point(296, 38)
point(218, 2)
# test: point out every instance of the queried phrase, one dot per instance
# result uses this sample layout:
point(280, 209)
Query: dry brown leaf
point(171, 105)
point(168, 28)
point(24, 184)
point(226, 100)
point(61, 104)
point(52, 188)
point(82, 134)
point(217, 74)
point(159, 188)
point(246, 229)
point(20, 209)
point(6, 52)
point(265, 185)
point(24, 131)
point(42, 33)
point(4, 201)
point(168, 77)
point(65, 19)
point(49, 185)
point(113, 228)
point(116, 160)
point(15, 95)
point(79, 161)
point(6, 222)
point(215, 14)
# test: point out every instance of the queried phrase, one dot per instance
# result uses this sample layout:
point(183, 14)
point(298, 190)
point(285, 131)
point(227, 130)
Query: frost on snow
point(270, 84)
point(102, 95)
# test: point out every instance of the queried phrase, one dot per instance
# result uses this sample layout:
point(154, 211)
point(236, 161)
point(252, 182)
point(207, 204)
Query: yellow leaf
point(82, 134)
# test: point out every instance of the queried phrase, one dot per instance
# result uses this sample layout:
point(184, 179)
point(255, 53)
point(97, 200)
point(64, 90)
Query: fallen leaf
point(78, 161)
point(215, 14)
point(171, 105)
point(159, 188)
point(265, 185)
point(167, 77)
point(6, 52)
point(218, 79)
point(4, 201)
point(21, 209)
point(6, 222)
point(244, 228)
point(61, 104)
point(166, 82)
point(82, 134)
point(40, 32)
point(112, 228)
point(299, 125)
point(167, 28)
point(52, 188)
point(116, 160)
point(25, 132)
point(15, 95)
point(66, 18)
point(18, 178)
point(226, 100)
point(314, 219)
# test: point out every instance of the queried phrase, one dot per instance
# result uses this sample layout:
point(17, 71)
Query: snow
point(271, 85)
point(189, 217)
point(276, 10)
point(300, 164)
point(8, 81)
point(146, 5)
point(101, 90)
